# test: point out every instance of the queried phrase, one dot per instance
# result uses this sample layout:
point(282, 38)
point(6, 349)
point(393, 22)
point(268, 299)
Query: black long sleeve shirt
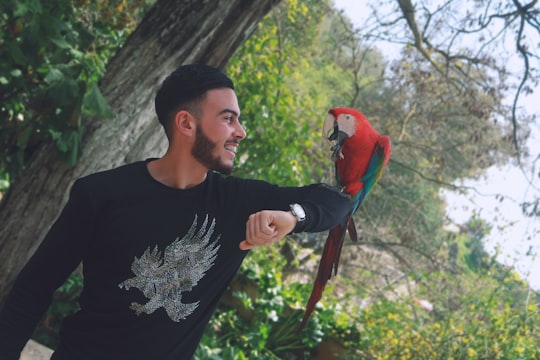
point(156, 261)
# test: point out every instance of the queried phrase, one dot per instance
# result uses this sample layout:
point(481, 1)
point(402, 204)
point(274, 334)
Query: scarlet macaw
point(360, 155)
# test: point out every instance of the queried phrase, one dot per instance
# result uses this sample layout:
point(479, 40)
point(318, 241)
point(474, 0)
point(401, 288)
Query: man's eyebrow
point(229, 111)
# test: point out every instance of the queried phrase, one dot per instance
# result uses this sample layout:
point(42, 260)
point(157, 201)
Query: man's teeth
point(231, 148)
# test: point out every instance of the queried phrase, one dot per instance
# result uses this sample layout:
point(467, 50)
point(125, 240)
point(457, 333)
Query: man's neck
point(175, 173)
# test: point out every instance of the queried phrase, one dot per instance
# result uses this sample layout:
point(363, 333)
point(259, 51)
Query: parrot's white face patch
point(347, 124)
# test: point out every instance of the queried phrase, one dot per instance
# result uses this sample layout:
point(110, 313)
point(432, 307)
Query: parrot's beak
point(329, 125)
point(333, 135)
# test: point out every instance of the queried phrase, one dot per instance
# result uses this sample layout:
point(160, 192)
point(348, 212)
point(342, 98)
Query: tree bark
point(172, 33)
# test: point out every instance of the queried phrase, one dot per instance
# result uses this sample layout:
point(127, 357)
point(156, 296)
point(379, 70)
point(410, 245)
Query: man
point(160, 240)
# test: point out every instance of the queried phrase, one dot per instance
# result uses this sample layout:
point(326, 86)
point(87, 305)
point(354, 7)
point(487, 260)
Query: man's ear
point(184, 122)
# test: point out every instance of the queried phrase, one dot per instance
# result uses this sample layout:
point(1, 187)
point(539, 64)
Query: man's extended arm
point(324, 207)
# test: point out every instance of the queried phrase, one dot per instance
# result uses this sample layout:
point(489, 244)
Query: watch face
point(298, 211)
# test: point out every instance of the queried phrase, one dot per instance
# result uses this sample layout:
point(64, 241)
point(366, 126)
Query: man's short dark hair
point(185, 86)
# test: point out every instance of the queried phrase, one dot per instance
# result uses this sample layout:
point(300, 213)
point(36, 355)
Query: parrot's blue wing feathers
point(376, 166)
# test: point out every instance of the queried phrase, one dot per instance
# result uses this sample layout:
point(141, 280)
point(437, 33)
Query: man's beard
point(203, 151)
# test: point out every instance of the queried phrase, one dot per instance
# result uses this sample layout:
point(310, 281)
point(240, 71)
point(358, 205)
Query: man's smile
point(232, 147)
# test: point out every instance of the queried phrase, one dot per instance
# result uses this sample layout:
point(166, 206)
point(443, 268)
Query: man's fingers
point(259, 230)
point(260, 225)
point(244, 245)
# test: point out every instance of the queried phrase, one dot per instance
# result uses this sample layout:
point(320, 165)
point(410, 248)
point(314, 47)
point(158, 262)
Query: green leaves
point(53, 55)
point(64, 303)
point(281, 116)
point(491, 321)
point(262, 320)
point(68, 143)
point(95, 103)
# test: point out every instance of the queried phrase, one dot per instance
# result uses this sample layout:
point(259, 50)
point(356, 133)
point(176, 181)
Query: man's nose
point(240, 132)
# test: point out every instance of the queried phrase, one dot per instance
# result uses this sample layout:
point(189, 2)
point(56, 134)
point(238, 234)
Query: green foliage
point(64, 303)
point(53, 55)
point(468, 321)
point(497, 320)
point(442, 132)
point(283, 95)
point(262, 312)
point(477, 257)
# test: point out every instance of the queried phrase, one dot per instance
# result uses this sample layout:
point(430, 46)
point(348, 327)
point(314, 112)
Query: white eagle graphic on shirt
point(164, 276)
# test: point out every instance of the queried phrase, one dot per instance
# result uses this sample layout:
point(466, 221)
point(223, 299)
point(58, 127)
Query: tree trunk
point(171, 34)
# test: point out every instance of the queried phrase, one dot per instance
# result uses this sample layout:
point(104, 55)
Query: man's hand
point(266, 227)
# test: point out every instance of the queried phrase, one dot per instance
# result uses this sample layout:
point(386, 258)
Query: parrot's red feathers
point(351, 228)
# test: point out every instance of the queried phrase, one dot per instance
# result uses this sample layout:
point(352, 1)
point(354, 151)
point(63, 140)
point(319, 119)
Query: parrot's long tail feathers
point(329, 261)
point(351, 228)
point(337, 254)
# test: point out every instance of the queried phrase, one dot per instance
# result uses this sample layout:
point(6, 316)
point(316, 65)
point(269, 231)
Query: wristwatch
point(298, 211)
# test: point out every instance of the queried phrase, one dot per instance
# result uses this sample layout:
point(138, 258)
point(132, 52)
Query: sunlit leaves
point(281, 117)
point(484, 322)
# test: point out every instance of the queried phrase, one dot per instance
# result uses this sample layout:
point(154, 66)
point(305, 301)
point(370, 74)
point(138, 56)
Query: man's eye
point(229, 119)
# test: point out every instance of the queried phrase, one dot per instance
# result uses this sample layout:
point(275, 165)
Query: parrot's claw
point(336, 153)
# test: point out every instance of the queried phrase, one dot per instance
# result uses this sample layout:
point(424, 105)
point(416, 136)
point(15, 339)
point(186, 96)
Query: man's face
point(218, 132)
